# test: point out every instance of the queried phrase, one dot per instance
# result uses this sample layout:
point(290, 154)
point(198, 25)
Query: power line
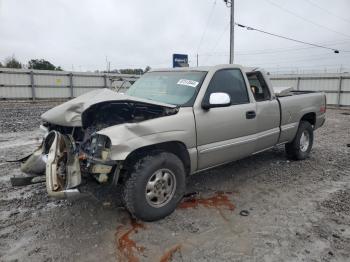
point(291, 49)
point(287, 38)
point(296, 47)
point(207, 24)
point(288, 60)
point(257, 52)
point(327, 11)
point(272, 50)
point(218, 40)
point(305, 19)
point(284, 61)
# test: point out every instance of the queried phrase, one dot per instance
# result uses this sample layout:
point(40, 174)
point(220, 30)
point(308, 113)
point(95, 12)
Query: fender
point(125, 138)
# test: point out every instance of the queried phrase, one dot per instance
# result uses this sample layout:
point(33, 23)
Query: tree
point(42, 64)
point(12, 62)
point(147, 69)
point(1, 65)
point(130, 71)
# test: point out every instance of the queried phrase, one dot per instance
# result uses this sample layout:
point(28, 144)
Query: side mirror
point(217, 100)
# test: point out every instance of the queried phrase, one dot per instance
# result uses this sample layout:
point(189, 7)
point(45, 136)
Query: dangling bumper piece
point(62, 167)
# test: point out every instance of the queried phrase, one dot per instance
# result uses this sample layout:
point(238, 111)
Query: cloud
point(140, 33)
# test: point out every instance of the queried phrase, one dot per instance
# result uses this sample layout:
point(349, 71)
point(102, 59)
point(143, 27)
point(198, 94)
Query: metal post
point(339, 90)
point(32, 85)
point(71, 85)
point(105, 80)
point(298, 83)
point(232, 32)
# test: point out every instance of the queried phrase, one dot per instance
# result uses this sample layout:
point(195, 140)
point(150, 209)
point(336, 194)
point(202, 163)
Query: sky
point(81, 35)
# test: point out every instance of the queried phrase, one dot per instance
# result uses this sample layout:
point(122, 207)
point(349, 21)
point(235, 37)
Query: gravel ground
point(294, 210)
point(22, 116)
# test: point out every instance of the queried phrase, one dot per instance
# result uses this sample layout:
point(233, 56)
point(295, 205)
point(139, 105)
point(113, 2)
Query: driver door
point(226, 133)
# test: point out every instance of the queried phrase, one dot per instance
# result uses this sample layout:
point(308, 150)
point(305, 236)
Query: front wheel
point(155, 186)
point(300, 147)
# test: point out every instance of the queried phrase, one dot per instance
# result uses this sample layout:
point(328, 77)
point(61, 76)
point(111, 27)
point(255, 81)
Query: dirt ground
point(292, 210)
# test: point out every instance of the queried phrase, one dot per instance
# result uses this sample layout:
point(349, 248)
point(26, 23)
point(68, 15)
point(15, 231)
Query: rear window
point(259, 87)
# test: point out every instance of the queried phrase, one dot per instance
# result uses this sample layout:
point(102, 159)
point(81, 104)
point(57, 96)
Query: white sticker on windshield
point(186, 82)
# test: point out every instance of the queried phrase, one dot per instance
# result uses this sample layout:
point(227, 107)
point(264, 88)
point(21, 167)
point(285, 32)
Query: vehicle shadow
point(236, 173)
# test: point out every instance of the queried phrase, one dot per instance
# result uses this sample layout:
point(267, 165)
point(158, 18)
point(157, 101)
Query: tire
point(300, 147)
point(154, 186)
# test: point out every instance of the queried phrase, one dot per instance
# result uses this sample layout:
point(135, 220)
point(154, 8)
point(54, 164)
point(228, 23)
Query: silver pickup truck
point(170, 123)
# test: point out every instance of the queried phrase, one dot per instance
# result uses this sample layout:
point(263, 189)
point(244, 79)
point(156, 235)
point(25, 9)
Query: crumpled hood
point(69, 113)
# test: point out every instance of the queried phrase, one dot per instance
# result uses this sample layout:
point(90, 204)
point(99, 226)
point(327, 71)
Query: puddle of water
point(126, 246)
point(167, 256)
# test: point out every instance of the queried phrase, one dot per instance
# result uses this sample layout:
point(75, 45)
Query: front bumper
point(61, 162)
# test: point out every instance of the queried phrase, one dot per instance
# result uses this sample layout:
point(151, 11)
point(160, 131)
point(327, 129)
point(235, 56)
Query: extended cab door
point(225, 133)
point(267, 109)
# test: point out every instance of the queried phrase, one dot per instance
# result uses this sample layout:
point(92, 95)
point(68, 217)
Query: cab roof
point(200, 68)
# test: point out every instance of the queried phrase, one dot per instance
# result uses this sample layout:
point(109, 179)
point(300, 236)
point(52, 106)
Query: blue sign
point(180, 60)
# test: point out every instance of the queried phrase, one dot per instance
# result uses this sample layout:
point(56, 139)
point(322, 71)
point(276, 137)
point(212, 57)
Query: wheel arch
point(176, 147)
point(309, 117)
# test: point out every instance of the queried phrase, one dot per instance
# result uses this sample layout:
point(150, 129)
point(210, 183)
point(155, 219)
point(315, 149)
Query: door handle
point(250, 114)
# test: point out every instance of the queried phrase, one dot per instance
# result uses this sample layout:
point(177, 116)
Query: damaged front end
point(73, 151)
point(66, 162)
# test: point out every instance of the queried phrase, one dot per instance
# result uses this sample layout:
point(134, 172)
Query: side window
point(258, 87)
point(229, 81)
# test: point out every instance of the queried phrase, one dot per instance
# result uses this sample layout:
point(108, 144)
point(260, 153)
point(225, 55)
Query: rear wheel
point(155, 186)
point(300, 147)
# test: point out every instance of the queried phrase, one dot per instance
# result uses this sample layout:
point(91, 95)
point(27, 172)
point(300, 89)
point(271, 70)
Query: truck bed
point(299, 104)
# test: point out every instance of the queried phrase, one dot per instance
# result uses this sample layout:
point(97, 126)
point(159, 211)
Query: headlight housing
point(99, 146)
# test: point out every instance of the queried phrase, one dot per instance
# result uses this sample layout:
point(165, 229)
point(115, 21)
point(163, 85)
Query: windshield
point(177, 88)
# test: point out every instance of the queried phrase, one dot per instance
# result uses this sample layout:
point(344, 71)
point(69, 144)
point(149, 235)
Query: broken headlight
point(99, 147)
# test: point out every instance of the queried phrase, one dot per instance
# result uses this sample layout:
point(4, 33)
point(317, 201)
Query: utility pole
point(197, 60)
point(232, 31)
point(107, 65)
point(231, 5)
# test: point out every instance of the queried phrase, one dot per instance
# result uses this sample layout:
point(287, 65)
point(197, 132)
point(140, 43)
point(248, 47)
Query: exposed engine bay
point(70, 154)
point(109, 113)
